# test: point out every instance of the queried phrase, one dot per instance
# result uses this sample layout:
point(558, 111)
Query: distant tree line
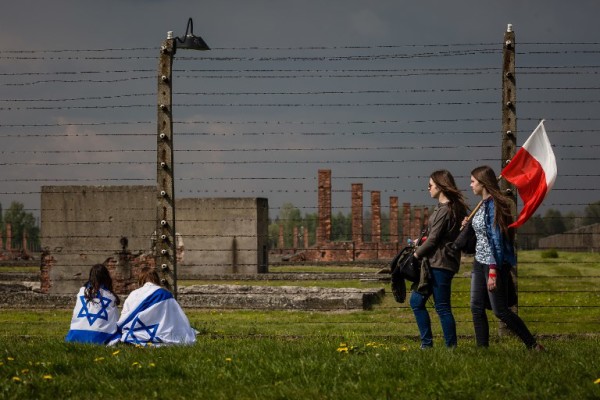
point(552, 222)
point(22, 223)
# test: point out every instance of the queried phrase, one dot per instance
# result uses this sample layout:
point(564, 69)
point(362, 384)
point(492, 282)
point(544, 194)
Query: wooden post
point(165, 248)
point(509, 128)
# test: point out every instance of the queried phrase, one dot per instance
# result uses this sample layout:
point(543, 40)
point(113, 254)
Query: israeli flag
point(152, 316)
point(94, 321)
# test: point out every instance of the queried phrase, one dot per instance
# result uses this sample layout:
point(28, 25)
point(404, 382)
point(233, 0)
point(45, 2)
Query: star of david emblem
point(138, 326)
point(102, 312)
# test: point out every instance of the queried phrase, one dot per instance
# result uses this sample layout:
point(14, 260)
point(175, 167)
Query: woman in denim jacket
point(494, 257)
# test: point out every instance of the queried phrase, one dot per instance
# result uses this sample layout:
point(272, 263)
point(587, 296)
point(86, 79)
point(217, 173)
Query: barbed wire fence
point(260, 122)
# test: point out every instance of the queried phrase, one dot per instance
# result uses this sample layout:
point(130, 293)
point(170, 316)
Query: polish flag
point(533, 171)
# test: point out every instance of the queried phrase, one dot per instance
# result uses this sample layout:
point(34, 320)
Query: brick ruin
point(8, 252)
point(413, 220)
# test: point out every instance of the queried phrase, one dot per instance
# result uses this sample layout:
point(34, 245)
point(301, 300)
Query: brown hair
point(148, 274)
point(502, 204)
point(99, 278)
point(444, 180)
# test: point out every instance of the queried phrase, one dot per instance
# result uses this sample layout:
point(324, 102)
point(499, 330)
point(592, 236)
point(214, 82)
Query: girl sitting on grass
point(152, 316)
point(95, 314)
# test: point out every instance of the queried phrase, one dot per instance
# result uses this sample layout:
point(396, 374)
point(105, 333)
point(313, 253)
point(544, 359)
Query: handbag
point(466, 240)
point(405, 266)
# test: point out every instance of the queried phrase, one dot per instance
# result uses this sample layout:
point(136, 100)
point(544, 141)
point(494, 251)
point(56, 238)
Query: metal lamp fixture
point(190, 41)
point(166, 249)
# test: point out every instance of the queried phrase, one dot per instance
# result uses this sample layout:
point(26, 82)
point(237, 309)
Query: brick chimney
point(376, 216)
point(280, 241)
point(393, 220)
point(406, 227)
point(324, 227)
point(357, 212)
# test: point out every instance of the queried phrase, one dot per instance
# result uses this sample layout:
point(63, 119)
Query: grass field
point(371, 354)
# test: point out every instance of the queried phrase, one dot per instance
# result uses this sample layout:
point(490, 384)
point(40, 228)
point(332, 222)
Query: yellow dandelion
point(116, 352)
point(228, 359)
point(342, 349)
point(47, 377)
point(597, 381)
point(403, 348)
point(16, 379)
point(25, 371)
point(136, 364)
point(99, 359)
point(152, 365)
point(10, 359)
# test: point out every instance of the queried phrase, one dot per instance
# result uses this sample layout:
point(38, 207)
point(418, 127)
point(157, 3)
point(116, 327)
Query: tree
point(530, 232)
point(573, 220)
point(22, 223)
point(290, 217)
point(592, 214)
point(310, 223)
point(553, 222)
point(341, 227)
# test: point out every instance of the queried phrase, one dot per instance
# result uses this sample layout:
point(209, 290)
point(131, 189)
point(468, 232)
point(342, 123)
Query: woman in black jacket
point(443, 227)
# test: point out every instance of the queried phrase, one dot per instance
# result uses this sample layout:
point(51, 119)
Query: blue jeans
point(498, 299)
point(441, 285)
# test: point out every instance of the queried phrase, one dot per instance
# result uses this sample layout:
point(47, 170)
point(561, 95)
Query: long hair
point(99, 278)
point(148, 274)
point(502, 204)
point(444, 180)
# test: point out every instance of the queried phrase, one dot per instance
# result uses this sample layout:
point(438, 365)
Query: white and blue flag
point(152, 316)
point(94, 321)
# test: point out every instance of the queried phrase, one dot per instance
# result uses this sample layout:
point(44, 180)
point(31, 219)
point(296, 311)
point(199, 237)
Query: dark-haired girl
point(95, 314)
point(443, 228)
point(494, 258)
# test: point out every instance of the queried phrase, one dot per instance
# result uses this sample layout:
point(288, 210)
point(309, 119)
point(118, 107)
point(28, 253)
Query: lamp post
point(166, 241)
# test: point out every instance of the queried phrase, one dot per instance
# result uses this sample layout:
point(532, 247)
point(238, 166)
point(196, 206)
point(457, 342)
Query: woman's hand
point(492, 278)
point(464, 222)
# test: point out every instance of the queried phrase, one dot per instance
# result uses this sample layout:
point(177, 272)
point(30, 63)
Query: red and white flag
point(533, 171)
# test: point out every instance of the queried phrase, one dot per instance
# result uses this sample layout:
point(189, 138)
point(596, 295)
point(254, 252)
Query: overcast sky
point(303, 85)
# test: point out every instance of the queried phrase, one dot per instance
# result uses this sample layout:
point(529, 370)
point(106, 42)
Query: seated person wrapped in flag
point(95, 315)
point(152, 316)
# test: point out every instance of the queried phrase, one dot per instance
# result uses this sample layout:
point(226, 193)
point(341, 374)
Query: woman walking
point(442, 261)
point(494, 257)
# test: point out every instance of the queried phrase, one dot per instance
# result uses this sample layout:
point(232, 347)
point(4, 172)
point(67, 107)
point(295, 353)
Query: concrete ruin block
point(278, 297)
point(83, 225)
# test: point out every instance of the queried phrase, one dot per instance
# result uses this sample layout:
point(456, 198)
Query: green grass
point(300, 368)
point(255, 354)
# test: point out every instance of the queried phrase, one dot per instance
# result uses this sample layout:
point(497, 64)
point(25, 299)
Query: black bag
point(466, 240)
point(405, 267)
